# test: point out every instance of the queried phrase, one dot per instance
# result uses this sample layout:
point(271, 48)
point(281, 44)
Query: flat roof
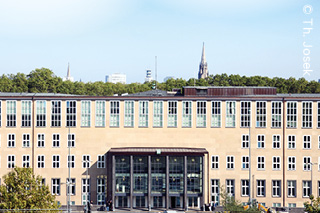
point(159, 150)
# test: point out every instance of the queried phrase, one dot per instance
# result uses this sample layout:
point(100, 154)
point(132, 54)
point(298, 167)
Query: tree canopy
point(21, 189)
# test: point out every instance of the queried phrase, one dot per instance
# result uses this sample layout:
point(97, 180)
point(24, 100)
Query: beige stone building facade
point(167, 150)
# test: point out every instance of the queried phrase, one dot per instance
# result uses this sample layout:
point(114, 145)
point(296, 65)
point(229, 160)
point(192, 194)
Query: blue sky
point(101, 37)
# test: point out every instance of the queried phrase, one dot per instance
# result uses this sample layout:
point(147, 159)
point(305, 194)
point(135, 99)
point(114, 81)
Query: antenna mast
point(155, 70)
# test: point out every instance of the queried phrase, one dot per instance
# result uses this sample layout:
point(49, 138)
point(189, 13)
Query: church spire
point(68, 72)
point(203, 68)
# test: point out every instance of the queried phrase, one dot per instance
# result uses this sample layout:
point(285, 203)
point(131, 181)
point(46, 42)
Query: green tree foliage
point(313, 206)
point(21, 189)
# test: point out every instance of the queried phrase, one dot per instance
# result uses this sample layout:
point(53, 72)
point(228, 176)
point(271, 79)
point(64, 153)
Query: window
point(291, 141)
point(261, 188)
point(40, 161)
point(71, 140)
point(260, 163)
point(276, 114)
point(85, 113)
point(85, 161)
point(306, 142)
point(55, 182)
point(129, 113)
point(55, 140)
point(306, 114)
point(291, 114)
point(40, 141)
point(291, 188)
point(157, 113)
point(26, 161)
point(230, 187)
point(245, 141)
point(55, 161)
point(318, 188)
point(276, 142)
point(11, 140)
point(201, 113)
point(319, 142)
point(306, 163)
point(276, 188)
point(11, 113)
point(114, 113)
point(291, 163)
point(261, 114)
point(71, 113)
point(231, 114)
point(230, 162)
point(214, 162)
point(245, 162)
point(25, 113)
point(306, 188)
point(261, 141)
point(100, 113)
point(55, 113)
point(25, 140)
point(172, 113)
point(143, 113)
point(85, 191)
point(245, 114)
point(101, 193)
point(215, 191)
point(186, 114)
point(71, 161)
point(216, 114)
point(292, 205)
point(318, 115)
point(71, 186)
point(41, 113)
point(276, 163)
point(11, 161)
point(244, 188)
point(276, 204)
point(101, 161)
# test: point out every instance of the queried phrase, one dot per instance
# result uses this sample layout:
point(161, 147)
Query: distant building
point(148, 76)
point(167, 78)
point(203, 67)
point(68, 77)
point(116, 78)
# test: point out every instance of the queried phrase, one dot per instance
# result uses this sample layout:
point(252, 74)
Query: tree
point(23, 190)
point(313, 206)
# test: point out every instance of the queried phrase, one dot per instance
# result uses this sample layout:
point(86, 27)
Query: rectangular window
point(260, 142)
point(25, 113)
point(291, 141)
point(318, 115)
point(40, 161)
point(201, 113)
point(11, 161)
point(245, 162)
point(85, 113)
point(292, 114)
point(306, 114)
point(128, 113)
point(11, 113)
point(244, 188)
point(231, 114)
point(11, 140)
point(319, 142)
point(306, 188)
point(245, 141)
point(230, 187)
point(158, 113)
point(260, 163)
point(276, 188)
point(100, 113)
point(215, 191)
point(276, 142)
point(307, 142)
point(291, 163)
point(41, 113)
point(25, 161)
point(25, 140)
point(261, 188)
point(186, 114)
point(101, 192)
point(71, 140)
point(55, 183)
point(143, 113)
point(40, 140)
point(101, 161)
point(71, 161)
point(55, 161)
point(245, 114)
point(114, 113)
point(71, 113)
point(292, 184)
point(172, 113)
point(230, 162)
point(55, 140)
point(276, 118)
point(261, 114)
point(85, 191)
point(55, 113)
point(214, 162)
point(276, 163)
point(71, 186)
point(216, 114)
point(86, 161)
point(292, 205)
point(306, 163)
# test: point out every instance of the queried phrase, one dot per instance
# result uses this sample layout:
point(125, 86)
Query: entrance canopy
point(158, 151)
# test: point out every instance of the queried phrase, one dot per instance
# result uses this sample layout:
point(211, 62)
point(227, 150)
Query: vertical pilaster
point(167, 182)
point(113, 180)
point(185, 179)
point(131, 181)
point(149, 183)
point(203, 185)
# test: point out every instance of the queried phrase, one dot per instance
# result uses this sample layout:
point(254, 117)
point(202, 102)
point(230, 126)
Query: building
point(203, 67)
point(159, 149)
point(116, 78)
point(68, 77)
point(148, 76)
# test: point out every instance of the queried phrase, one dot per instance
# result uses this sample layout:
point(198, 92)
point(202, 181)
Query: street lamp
point(311, 164)
point(87, 163)
point(250, 198)
point(69, 173)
